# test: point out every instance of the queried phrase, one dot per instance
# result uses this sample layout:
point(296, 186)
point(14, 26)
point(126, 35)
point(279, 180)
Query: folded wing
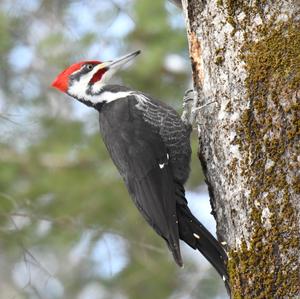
point(142, 159)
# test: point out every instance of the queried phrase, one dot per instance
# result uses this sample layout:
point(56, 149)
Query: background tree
point(246, 57)
point(67, 226)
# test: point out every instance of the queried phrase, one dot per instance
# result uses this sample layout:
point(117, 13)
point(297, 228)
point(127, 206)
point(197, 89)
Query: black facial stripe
point(84, 70)
point(76, 76)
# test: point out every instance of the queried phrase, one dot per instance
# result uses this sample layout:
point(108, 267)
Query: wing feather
point(141, 157)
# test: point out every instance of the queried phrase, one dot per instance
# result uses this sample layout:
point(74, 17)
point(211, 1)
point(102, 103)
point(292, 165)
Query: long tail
point(192, 232)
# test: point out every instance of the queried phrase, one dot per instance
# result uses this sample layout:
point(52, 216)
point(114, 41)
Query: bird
point(150, 146)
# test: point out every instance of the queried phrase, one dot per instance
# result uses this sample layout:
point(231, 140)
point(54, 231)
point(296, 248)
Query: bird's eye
point(89, 67)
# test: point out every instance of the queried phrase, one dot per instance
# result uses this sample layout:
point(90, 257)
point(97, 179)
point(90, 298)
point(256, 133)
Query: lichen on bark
point(249, 141)
point(266, 139)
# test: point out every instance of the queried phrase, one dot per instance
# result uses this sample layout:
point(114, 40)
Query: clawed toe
point(190, 108)
point(189, 95)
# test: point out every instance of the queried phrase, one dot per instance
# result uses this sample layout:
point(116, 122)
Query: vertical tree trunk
point(246, 57)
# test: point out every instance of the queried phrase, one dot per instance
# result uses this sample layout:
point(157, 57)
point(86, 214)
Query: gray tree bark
point(246, 56)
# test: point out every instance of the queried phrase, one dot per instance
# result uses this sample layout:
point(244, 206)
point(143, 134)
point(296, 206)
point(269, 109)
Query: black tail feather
point(198, 237)
point(192, 232)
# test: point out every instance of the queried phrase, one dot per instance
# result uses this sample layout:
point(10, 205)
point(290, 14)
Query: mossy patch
point(219, 60)
point(219, 56)
point(266, 266)
point(273, 63)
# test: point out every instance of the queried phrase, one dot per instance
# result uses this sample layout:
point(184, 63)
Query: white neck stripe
point(108, 96)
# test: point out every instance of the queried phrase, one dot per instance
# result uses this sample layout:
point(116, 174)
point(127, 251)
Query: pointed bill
point(121, 60)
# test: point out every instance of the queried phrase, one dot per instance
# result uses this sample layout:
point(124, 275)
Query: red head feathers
point(61, 82)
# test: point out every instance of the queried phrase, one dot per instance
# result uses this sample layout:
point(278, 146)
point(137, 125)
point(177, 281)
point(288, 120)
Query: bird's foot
point(191, 108)
point(189, 95)
point(188, 107)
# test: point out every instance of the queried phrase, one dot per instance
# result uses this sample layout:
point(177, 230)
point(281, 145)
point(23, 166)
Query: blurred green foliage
point(61, 198)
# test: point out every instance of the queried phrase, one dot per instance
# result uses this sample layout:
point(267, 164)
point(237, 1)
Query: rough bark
point(246, 56)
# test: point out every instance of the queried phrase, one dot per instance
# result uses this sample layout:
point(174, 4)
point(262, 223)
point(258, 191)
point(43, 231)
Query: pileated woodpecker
point(150, 146)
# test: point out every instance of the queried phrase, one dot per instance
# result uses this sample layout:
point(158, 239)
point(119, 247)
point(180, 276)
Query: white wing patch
point(161, 166)
point(196, 236)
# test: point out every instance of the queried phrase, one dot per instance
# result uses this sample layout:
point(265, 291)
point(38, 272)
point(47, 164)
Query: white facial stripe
point(78, 88)
point(109, 96)
point(106, 96)
point(98, 85)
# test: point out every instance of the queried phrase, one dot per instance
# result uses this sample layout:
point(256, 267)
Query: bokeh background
point(68, 228)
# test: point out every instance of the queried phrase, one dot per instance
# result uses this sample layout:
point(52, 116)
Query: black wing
point(141, 157)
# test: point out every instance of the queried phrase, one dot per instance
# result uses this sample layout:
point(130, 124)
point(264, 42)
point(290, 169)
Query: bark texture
point(246, 56)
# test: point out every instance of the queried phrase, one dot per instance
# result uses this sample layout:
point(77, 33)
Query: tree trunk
point(246, 56)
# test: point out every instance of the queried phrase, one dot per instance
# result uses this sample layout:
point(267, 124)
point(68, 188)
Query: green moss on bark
point(219, 60)
point(273, 63)
point(266, 266)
